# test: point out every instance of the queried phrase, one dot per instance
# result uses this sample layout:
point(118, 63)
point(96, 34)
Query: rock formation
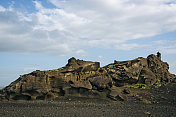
point(87, 79)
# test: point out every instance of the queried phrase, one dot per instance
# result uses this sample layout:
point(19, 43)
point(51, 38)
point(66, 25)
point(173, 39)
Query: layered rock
point(87, 79)
point(141, 70)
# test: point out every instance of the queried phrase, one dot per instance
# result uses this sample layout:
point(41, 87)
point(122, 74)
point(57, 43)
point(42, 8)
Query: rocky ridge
point(79, 78)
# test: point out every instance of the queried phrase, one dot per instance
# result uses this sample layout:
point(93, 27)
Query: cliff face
point(87, 79)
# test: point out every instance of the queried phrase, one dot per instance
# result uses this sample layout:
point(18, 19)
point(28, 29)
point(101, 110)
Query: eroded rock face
point(141, 70)
point(87, 79)
point(80, 65)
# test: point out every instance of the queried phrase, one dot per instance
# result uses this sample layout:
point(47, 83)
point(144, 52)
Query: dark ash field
point(163, 106)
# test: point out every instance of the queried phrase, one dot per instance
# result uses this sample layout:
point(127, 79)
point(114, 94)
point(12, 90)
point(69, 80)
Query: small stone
point(126, 91)
point(147, 113)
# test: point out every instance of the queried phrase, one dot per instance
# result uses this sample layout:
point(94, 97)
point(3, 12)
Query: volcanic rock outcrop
point(87, 79)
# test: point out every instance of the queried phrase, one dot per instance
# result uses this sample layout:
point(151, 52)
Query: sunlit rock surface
point(87, 79)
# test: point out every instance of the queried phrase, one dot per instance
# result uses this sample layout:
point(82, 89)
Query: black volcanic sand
point(164, 106)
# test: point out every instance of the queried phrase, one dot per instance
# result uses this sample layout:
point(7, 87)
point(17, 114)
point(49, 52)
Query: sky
point(44, 34)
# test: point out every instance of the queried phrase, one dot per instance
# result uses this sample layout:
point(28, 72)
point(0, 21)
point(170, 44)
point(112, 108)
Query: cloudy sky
point(43, 34)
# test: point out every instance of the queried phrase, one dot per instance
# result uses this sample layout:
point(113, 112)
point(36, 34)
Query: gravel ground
point(78, 107)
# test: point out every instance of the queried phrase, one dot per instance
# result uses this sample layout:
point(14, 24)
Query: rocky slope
point(79, 78)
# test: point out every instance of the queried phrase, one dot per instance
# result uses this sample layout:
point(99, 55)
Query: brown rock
point(126, 91)
point(87, 79)
point(101, 82)
point(116, 94)
point(82, 84)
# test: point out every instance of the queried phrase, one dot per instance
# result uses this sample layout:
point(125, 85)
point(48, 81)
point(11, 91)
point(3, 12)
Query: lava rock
point(85, 78)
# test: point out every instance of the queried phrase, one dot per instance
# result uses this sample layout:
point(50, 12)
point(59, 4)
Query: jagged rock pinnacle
point(159, 55)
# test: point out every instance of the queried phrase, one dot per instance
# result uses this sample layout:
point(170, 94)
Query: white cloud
point(165, 46)
point(38, 5)
point(127, 46)
point(90, 23)
point(39, 32)
point(168, 49)
point(117, 19)
point(2, 9)
point(81, 53)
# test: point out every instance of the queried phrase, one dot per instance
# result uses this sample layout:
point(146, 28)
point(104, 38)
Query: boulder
point(101, 82)
point(116, 94)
